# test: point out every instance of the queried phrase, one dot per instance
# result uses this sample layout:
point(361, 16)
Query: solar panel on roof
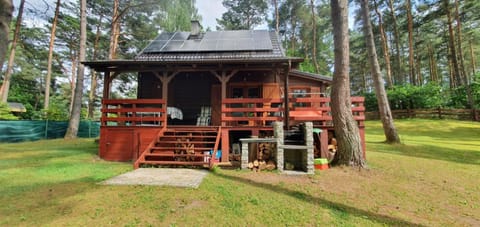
point(155, 46)
point(191, 44)
point(173, 45)
point(181, 36)
point(220, 41)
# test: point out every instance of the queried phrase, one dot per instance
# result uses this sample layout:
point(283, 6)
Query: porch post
point(108, 78)
point(165, 79)
point(106, 85)
point(224, 78)
point(285, 98)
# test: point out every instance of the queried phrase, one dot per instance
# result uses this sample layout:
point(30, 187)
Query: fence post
point(46, 128)
point(89, 128)
point(440, 112)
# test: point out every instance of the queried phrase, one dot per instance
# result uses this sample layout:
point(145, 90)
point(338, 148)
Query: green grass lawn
point(432, 179)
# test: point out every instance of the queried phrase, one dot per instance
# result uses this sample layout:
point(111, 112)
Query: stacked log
point(263, 159)
point(184, 147)
point(332, 149)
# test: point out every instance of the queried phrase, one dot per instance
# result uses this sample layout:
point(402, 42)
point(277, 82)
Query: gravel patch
point(189, 178)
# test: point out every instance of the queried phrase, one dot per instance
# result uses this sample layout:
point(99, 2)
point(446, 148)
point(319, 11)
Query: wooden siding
point(124, 143)
point(149, 87)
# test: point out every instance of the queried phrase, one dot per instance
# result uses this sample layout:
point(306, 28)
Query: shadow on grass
point(41, 159)
point(338, 207)
point(430, 152)
point(27, 202)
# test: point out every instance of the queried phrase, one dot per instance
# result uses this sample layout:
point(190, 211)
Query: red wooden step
point(183, 142)
point(185, 136)
point(184, 163)
point(179, 148)
point(176, 155)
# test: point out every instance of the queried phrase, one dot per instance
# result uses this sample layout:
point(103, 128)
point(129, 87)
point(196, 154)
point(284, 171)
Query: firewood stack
point(184, 146)
point(332, 149)
point(263, 160)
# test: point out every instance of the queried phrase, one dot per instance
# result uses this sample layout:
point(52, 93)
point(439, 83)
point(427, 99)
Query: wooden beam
point(224, 78)
point(285, 96)
point(165, 78)
point(106, 85)
point(225, 145)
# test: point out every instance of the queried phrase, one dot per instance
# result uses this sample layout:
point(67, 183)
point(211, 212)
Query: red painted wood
point(122, 143)
point(128, 139)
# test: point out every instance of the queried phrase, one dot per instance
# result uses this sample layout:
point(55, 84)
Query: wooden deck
point(137, 129)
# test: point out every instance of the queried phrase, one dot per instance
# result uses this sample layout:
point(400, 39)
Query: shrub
point(5, 113)
point(428, 96)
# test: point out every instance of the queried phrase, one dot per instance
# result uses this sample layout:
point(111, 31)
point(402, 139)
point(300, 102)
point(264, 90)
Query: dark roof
point(214, 45)
point(218, 41)
point(16, 107)
point(298, 73)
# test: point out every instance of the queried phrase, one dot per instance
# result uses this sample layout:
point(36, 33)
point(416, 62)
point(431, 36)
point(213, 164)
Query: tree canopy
point(242, 14)
point(443, 34)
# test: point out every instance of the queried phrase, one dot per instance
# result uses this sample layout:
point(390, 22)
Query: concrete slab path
point(174, 177)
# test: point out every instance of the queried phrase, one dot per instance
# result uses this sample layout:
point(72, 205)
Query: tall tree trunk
point(386, 53)
point(418, 68)
point(411, 56)
point(451, 74)
point(472, 58)
point(398, 71)
point(453, 50)
point(364, 80)
point(459, 43)
point(74, 122)
point(470, 97)
point(73, 80)
point(432, 64)
point(115, 33)
point(6, 9)
point(383, 106)
point(346, 128)
point(93, 83)
point(8, 73)
point(277, 16)
point(48, 78)
point(314, 38)
point(293, 37)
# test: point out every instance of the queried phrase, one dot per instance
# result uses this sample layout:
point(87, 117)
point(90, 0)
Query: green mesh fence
point(17, 131)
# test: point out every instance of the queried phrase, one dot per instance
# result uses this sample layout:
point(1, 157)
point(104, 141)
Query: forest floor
point(431, 179)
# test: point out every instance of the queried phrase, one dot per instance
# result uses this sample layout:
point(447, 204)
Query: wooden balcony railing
point(318, 109)
point(239, 112)
point(256, 112)
point(134, 112)
point(251, 111)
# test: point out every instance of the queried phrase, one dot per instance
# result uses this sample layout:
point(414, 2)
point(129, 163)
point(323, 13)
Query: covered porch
point(193, 105)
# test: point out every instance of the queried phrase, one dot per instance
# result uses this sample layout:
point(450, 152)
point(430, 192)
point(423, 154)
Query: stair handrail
point(160, 133)
point(215, 148)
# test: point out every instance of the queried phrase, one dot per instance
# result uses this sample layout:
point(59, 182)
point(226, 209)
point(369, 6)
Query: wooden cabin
point(199, 93)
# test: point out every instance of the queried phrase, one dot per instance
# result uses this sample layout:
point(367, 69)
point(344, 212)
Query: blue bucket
point(219, 154)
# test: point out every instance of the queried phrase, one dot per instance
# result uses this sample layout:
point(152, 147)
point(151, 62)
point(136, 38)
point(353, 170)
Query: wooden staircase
point(182, 146)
